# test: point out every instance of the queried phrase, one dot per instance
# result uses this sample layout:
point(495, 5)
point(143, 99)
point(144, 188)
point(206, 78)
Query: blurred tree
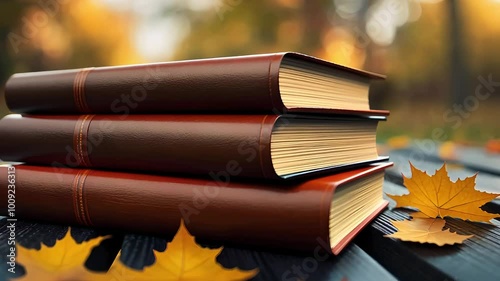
point(458, 66)
point(44, 35)
point(481, 30)
point(10, 12)
point(245, 27)
point(417, 61)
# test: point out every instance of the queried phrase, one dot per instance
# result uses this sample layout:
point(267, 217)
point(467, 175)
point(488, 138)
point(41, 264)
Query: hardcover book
point(269, 83)
point(252, 146)
point(322, 212)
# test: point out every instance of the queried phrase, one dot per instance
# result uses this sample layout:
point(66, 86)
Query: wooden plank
point(473, 158)
point(476, 259)
point(484, 181)
point(272, 265)
point(476, 158)
point(137, 252)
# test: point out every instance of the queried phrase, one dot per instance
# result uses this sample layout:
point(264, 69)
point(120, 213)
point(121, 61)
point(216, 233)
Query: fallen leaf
point(182, 260)
point(437, 196)
point(64, 261)
point(426, 231)
point(119, 272)
point(493, 146)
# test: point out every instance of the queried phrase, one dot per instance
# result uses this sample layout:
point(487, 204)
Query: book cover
point(327, 211)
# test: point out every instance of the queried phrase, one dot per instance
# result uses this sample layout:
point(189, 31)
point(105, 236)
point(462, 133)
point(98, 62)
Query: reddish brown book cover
point(187, 144)
point(295, 216)
point(242, 84)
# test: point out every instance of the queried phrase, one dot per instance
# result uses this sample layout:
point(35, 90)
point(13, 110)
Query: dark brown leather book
point(222, 146)
point(318, 214)
point(268, 83)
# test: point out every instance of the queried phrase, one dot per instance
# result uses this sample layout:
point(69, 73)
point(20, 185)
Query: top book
point(277, 83)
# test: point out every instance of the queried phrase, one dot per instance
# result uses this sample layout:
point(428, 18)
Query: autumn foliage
point(437, 197)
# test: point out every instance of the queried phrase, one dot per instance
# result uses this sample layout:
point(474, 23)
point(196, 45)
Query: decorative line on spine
point(80, 207)
point(74, 188)
point(80, 140)
point(85, 217)
point(79, 90)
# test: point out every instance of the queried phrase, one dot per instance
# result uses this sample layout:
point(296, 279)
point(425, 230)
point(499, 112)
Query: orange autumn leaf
point(437, 196)
point(182, 260)
point(64, 261)
point(426, 231)
point(493, 146)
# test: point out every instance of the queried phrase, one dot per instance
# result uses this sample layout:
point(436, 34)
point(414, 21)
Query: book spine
point(248, 214)
point(219, 146)
point(236, 84)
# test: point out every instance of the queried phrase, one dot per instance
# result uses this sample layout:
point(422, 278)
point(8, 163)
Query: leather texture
point(219, 146)
point(293, 216)
point(244, 84)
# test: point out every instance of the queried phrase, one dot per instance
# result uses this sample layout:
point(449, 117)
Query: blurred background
point(440, 56)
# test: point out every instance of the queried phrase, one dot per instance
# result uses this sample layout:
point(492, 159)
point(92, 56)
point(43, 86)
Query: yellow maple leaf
point(182, 260)
point(426, 231)
point(437, 196)
point(64, 261)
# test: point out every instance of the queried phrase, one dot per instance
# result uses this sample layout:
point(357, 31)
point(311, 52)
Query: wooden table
point(370, 257)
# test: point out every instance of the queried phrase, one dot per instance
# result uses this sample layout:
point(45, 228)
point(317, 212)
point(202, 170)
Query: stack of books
point(276, 151)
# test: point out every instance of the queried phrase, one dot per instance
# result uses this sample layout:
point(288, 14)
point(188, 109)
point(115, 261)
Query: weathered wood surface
point(477, 259)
